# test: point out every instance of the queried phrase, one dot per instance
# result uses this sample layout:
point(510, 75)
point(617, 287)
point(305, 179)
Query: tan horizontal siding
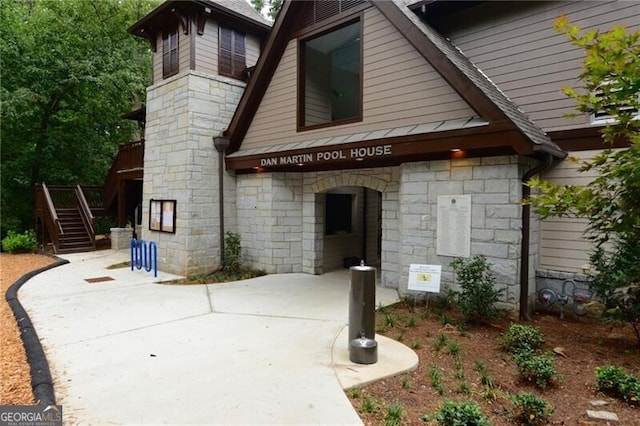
point(516, 46)
point(183, 55)
point(157, 60)
point(184, 51)
point(252, 48)
point(565, 224)
point(558, 243)
point(207, 49)
point(400, 88)
point(568, 253)
point(564, 265)
point(277, 111)
point(563, 245)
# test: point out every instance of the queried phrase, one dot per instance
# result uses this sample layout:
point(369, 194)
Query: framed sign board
point(162, 215)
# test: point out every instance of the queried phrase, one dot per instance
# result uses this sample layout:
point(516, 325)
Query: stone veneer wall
point(269, 216)
point(184, 113)
point(495, 188)
point(280, 213)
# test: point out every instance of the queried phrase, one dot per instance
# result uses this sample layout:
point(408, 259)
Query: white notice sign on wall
point(454, 226)
point(425, 278)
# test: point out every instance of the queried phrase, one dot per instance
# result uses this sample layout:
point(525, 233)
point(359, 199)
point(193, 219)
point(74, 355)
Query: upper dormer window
point(170, 53)
point(330, 83)
point(609, 113)
point(231, 54)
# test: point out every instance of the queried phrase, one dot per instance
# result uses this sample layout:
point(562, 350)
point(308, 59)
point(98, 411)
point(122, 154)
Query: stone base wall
point(184, 113)
point(281, 217)
point(495, 189)
point(121, 238)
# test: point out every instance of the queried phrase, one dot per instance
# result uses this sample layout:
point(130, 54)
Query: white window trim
point(609, 119)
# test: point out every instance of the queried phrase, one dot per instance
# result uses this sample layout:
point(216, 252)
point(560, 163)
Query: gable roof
point(509, 110)
point(467, 80)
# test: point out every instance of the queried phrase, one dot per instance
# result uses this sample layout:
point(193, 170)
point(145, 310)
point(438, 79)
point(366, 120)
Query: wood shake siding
point(400, 88)
point(562, 245)
point(519, 50)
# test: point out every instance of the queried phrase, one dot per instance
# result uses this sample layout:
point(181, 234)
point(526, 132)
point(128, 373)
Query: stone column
point(184, 114)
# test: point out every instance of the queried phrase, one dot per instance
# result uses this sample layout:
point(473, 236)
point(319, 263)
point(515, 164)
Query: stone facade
point(281, 217)
point(184, 113)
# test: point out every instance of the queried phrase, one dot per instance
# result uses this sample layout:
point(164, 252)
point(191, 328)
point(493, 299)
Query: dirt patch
point(15, 381)
point(586, 343)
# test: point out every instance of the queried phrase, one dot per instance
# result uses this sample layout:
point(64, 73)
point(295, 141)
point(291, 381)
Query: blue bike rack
point(144, 255)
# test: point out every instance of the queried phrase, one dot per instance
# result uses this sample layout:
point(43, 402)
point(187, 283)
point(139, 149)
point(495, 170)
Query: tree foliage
point(611, 201)
point(69, 72)
point(270, 7)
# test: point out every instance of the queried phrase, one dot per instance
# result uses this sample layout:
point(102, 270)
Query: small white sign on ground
point(425, 277)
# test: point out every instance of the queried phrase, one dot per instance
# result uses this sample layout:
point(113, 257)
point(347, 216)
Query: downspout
point(526, 231)
point(221, 144)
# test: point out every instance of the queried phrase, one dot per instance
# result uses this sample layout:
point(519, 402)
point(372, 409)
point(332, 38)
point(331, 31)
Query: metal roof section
point(534, 133)
point(367, 136)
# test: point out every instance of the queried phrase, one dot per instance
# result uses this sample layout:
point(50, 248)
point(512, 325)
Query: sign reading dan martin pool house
point(333, 155)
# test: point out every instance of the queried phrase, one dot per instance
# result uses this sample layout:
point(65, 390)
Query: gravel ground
point(15, 381)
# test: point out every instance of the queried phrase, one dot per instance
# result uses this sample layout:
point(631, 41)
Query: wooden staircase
point(65, 215)
point(75, 237)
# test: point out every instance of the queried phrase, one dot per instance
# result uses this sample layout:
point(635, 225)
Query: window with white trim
point(606, 114)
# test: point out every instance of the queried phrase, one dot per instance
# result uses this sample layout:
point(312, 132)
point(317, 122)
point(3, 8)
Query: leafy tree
point(69, 72)
point(272, 7)
point(611, 202)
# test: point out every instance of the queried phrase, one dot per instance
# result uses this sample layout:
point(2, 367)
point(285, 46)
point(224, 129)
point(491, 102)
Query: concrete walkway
point(270, 350)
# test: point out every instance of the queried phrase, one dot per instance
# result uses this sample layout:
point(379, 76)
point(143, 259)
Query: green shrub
point(405, 383)
point(452, 413)
point(395, 412)
point(104, 224)
point(520, 338)
point(616, 382)
point(529, 409)
point(369, 405)
point(20, 243)
point(436, 379)
point(479, 296)
point(232, 253)
point(439, 342)
point(537, 368)
point(354, 392)
point(454, 349)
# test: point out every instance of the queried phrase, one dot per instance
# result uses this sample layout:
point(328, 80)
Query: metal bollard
point(363, 349)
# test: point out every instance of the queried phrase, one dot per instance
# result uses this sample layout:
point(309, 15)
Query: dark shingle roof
point(241, 7)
